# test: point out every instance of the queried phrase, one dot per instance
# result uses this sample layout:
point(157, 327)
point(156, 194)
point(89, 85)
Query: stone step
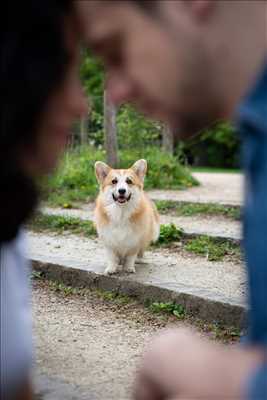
point(214, 291)
point(197, 225)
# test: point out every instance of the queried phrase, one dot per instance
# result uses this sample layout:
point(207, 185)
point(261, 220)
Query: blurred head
point(40, 97)
point(187, 62)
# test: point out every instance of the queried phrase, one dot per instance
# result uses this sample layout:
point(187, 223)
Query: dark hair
point(33, 63)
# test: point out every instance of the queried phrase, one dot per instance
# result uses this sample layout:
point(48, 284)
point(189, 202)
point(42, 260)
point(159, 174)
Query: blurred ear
point(101, 171)
point(140, 168)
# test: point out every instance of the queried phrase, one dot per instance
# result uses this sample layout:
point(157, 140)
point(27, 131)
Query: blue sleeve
point(253, 130)
point(257, 386)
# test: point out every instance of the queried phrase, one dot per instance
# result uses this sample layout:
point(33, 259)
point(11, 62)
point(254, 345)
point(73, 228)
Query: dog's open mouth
point(121, 199)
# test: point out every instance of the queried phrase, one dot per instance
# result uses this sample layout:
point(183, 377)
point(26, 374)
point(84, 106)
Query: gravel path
point(220, 188)
point(88, 348)
point(85, 347)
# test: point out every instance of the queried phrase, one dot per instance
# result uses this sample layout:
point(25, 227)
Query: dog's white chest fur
point(119, 234)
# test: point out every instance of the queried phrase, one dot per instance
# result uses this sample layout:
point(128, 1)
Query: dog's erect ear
point(140, 168)
point(101, 171)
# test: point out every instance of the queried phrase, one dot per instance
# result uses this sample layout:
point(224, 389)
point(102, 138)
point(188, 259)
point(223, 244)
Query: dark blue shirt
point(253, 129)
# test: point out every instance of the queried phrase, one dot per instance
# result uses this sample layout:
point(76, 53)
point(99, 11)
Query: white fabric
point(16, 324)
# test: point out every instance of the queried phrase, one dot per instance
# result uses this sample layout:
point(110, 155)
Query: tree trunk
point(83, 131)
point(167, 139)
point(110, 132)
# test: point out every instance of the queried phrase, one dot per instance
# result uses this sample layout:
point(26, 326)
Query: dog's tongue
point(121, 199)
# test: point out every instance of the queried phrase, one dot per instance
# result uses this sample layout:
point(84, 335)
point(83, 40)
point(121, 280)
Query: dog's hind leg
point(141, 254)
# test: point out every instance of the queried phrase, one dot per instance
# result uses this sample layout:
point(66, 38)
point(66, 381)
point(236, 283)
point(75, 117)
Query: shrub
point(75, 178)
point(217, 146)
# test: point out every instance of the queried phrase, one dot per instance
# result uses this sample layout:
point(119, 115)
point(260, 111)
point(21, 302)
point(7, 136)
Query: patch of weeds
point(169, 233)
point(191, 209)
point(224, 333)
point(60, 224)
point(212, 248)
point(110, 296)
point(114, 297)
point(168, 308)
point(217, 331)
point(164, 206)
point(66, 290)
point(36, 275)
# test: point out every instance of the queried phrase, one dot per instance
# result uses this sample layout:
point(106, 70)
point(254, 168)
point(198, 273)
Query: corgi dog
point(126, 220)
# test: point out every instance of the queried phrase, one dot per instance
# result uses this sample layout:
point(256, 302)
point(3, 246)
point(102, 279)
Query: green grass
point(170, 308)
point(115, 297)
point(169, 233)
point(60, 224)
point(212, 248)
point(75, 181)
point(191, 209)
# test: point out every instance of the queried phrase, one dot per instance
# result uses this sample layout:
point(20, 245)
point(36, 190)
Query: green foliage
point(191, 209)
point(169, 308)
point(225, 333)
point(36, 275)
point(60, 224)
point(217, 146)
point(115, 297)
point(92, 77)
point(164, 170)
point(133, 129)
point(165, 206)
point(169, 233)
point(75, 179)
point(136, 131)
point(63, 289)
point(212, 248)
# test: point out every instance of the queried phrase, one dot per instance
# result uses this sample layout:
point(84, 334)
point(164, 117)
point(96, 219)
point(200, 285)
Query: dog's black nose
point(122, 191)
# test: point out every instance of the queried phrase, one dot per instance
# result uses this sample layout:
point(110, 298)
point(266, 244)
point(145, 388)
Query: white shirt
point(16, 324)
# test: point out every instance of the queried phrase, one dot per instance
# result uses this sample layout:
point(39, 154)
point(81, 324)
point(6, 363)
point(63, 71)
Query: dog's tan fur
point(128, 229)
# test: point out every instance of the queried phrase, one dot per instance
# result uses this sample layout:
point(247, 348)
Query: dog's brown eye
point(129, 181)
point(114, 181)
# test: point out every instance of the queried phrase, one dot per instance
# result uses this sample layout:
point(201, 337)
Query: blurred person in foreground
point(41, 95)
point(191, 63)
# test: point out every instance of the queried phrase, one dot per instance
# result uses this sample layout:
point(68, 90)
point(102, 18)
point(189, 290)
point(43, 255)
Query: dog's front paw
point(129, 264)
point(112, 269)
point(130, 270)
